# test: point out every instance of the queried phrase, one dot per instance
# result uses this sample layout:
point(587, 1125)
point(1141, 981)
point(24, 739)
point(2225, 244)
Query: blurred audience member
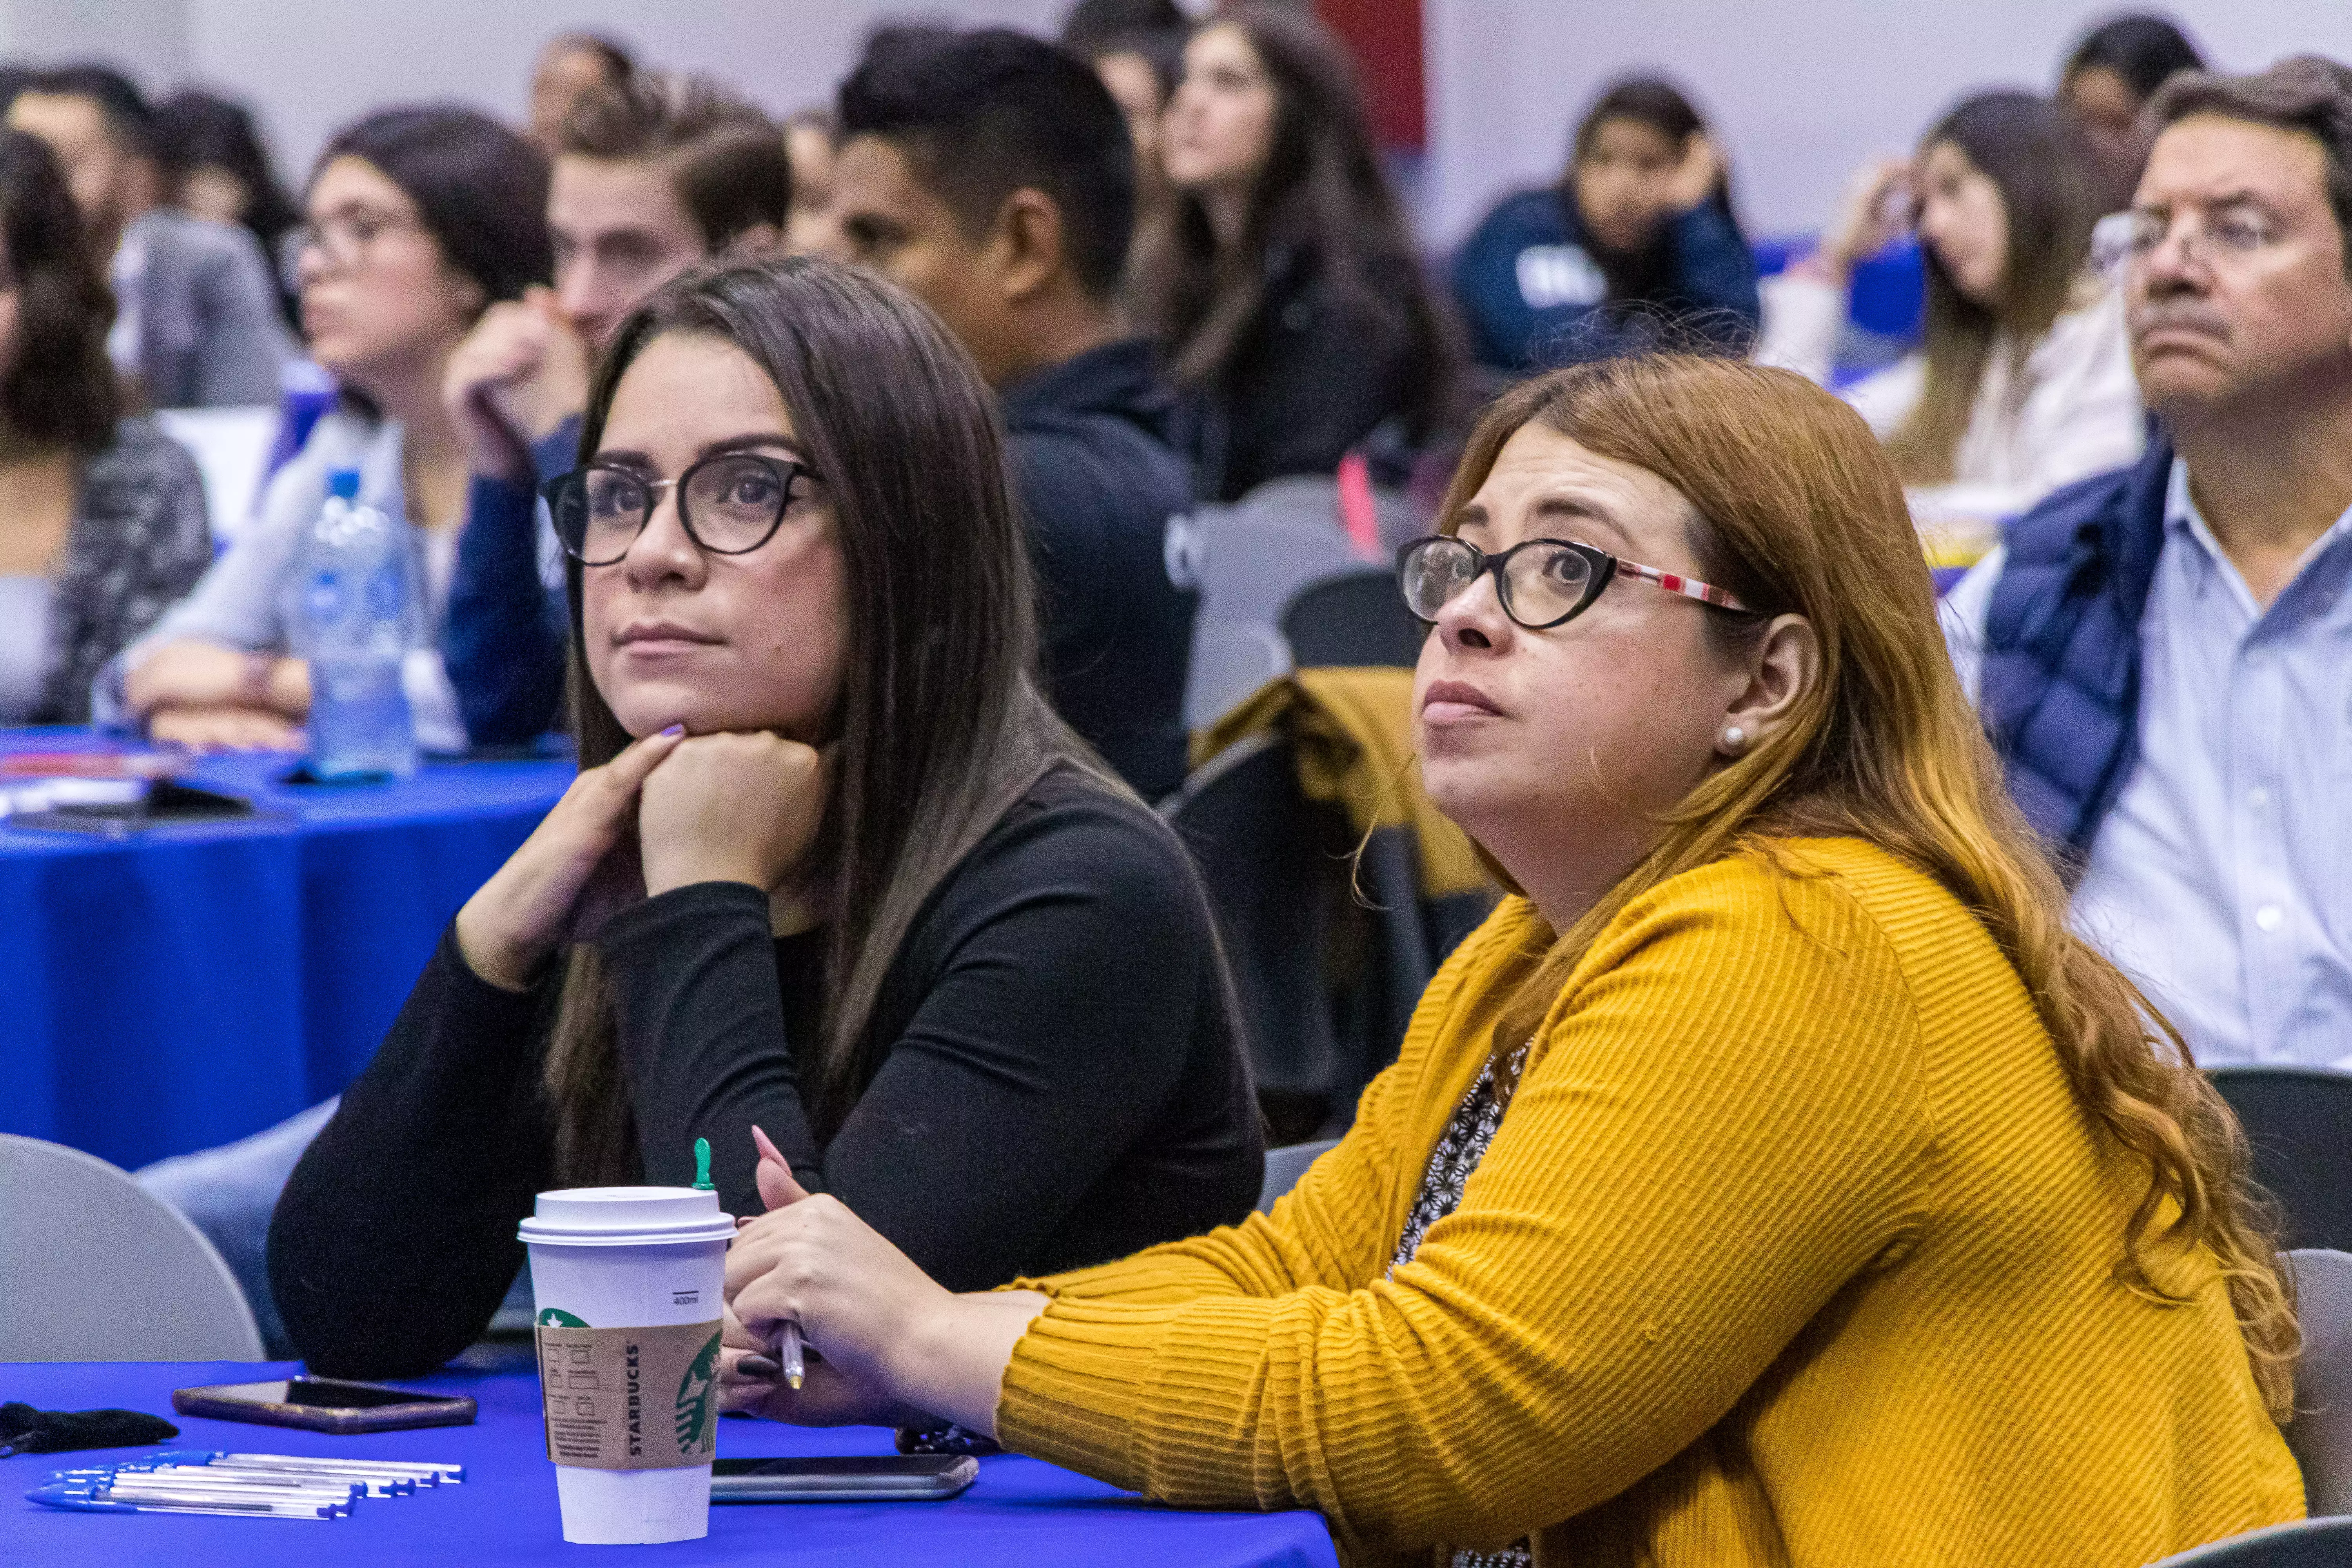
point(1137, 47)
point(984, 170)
point(2024, 381)
point(1285, 288)
point(418, 220)
point(197, 322)
point(2106, 84)
point(1637, 242)
point(101, 517)
point(833, 870)
point(649, 179)
point(811, 141)
point(573, 65)
point(214, 166)
point(2158, 653)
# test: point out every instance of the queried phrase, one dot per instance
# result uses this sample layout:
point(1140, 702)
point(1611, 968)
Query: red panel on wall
point(1385, 37)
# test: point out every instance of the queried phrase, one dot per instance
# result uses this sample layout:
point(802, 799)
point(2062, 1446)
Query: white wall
point(1801, 90)
point(310, 66)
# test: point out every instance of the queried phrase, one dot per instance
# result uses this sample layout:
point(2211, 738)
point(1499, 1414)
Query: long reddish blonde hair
point(1801, 512)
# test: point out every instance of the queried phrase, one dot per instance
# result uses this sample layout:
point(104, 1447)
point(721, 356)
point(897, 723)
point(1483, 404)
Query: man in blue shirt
point(989, 174)
point(2159, 653)
point(651, 176)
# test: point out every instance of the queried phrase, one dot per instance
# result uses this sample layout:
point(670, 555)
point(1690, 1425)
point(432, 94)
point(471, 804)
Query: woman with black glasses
point(832, 868)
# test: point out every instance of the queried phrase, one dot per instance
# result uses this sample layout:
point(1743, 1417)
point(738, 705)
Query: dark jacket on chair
point(2060, 694)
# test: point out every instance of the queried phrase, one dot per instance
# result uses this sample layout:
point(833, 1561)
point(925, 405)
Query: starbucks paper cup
point(627, 1283)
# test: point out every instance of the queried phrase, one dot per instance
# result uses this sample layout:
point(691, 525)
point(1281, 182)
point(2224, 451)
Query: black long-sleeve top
point(1062, 1085)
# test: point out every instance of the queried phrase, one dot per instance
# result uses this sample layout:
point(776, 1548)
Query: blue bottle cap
point(343, 484)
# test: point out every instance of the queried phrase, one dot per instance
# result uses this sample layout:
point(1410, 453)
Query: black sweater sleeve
point(1052, 995)
point(394, 1240)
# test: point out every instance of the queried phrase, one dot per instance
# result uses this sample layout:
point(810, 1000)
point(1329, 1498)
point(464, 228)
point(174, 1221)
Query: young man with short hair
point(991, 174)
point(196, 322)
point(651, 176)
point(2158, 653)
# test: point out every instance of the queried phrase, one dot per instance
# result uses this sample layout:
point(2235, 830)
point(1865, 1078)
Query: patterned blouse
point(1459, 1148)
point(140, 542)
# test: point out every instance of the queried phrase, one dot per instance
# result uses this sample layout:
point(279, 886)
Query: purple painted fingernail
point(675, 730)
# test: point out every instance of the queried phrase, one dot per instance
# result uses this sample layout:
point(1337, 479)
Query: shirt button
point(2270, 917)
point(2259, 798)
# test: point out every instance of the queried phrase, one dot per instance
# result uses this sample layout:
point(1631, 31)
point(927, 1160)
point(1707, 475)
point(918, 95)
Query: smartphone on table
point(849, 1477)
point(324, 1404)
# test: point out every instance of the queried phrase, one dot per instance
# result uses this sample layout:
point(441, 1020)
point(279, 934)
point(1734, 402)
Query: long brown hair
point(2032, 153)
point(1801, 513)
point(940, 724)
point(1323, 194)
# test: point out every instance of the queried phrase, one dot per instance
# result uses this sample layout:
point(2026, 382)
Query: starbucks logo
point(557, 1318)
point(695, 1398)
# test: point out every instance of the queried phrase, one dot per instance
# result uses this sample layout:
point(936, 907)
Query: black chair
point(1264, 851)
point(1355, 619)
point(2305, 1543)
point(1331, 950)
point(2298, 1123)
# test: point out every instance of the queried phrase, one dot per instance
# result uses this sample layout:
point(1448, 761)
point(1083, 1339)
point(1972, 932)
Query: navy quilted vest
point(2062, 652)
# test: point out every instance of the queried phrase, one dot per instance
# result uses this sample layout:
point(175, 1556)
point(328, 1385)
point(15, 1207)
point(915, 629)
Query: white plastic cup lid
point(626, 1216)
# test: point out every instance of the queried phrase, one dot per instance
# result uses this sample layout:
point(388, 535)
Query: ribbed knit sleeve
point(1720, 1125)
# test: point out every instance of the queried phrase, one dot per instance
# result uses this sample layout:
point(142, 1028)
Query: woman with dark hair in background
point(1637, 241)
point(833, 870)
point(1284, 285)
point(2024, 380)
point(213, 165)
point(2108, 80)
point(101, 517)
point(418, 218)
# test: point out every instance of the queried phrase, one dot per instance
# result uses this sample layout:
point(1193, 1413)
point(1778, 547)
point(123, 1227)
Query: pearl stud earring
point(1734, 739)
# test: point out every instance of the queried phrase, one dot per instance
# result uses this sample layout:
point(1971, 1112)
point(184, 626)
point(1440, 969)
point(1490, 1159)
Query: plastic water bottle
point(352, 625)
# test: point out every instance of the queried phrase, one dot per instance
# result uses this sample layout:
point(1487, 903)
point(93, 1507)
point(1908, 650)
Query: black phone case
point(429, 1410)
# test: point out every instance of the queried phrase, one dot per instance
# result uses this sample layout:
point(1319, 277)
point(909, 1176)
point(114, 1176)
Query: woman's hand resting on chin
point(730, 807)
point(896, 1349)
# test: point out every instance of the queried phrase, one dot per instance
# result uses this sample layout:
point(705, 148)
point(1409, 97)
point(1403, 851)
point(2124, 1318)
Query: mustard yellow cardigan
point(1792, 1249)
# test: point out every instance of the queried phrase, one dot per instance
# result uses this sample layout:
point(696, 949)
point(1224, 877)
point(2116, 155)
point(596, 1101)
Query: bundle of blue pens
point(256, 1485)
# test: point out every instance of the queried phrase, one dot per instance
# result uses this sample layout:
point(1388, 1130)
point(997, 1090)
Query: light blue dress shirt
point(2221, 881)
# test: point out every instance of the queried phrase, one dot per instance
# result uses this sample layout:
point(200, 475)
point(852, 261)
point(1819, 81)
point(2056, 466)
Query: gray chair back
point(2298, 1123)
point(2321, 1432)
point(1230, 660)
point(95, 1267)
point(2305, 1543)
point(1285, 1165)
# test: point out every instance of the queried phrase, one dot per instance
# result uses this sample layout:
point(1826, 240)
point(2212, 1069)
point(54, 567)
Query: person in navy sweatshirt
point(1636, 247)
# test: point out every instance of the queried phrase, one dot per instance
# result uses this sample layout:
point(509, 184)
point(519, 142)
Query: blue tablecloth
point(203, 981)
point(1020, 1512)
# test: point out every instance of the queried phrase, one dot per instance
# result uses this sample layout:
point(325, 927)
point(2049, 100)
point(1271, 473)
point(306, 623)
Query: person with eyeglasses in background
point(2158, 652)
point(412, 229)
point(832, 869)
point(197, 319)
point(651, 175)
point(2022, 380)
point(1771, 1182)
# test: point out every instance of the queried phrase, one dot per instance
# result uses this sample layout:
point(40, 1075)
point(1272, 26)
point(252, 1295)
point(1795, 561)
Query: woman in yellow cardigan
point(1774, 1181)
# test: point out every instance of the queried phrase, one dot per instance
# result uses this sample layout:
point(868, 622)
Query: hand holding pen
point(777, 1189)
